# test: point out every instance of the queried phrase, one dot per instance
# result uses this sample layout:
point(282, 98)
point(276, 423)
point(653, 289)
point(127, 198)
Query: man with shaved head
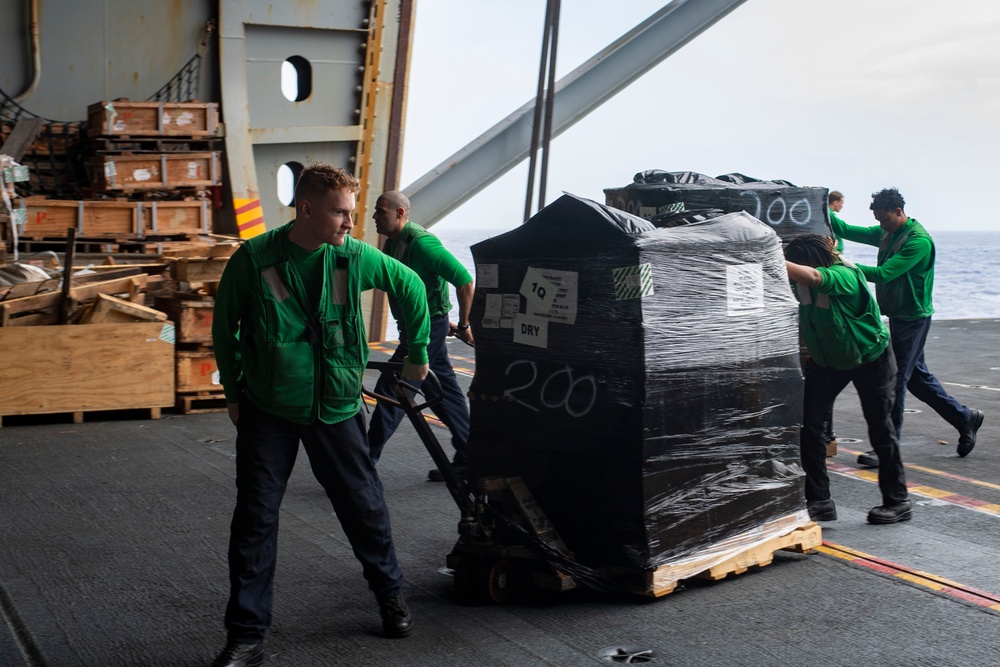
point(421, 251)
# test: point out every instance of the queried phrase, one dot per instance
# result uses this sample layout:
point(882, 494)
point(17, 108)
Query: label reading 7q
point(538, 290)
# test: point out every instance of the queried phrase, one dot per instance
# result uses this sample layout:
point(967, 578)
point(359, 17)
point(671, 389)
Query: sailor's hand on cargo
point(412, 371)
point(234, 412)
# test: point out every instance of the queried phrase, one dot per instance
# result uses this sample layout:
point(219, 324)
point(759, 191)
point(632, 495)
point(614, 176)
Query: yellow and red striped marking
point(921, 490)
point(916, 577)
point(249, 217)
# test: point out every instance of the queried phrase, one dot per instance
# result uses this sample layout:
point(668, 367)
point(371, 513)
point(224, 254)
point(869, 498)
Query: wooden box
point(154, 171)
point(193, 319)
point(49, 218)
point(199, 269)
point(123, 118)
point(197, 371)
point(107, 308)
point(73, 368)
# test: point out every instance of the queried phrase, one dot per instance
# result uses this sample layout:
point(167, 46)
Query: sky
point(852, 95)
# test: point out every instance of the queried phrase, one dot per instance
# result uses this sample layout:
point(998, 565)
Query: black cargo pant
point(875, 383)
point(266, 448)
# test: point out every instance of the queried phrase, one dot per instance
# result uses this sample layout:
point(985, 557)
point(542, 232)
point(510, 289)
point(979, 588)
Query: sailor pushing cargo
point(421, 251)
point(848, 343)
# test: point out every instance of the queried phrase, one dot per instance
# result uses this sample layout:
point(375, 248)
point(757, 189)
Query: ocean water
point(965, 283)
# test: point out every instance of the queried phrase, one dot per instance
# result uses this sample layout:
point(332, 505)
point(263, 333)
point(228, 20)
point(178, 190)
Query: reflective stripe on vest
point(805, 297)
point(276, 284)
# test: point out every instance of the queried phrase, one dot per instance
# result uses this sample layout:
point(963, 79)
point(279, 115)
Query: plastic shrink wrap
point(790, 210)
point(643, 381)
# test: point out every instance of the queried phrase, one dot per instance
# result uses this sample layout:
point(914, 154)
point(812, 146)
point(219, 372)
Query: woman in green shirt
point(848, 343)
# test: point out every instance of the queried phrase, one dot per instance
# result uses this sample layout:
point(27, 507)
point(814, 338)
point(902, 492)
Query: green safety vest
point(438, 300)
point(294, 360)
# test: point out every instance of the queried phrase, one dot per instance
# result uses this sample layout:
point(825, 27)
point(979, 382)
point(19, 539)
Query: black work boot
point(240, 655)
point(891, 513)
point(868, 460)
point(967, 437)
point(396, 619)
point(822, 510)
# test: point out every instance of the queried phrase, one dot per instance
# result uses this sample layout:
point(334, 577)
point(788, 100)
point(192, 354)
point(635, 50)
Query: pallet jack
point(505, 540)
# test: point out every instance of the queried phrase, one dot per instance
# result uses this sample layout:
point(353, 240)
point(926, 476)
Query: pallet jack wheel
point(498, 580)
point(483, 582)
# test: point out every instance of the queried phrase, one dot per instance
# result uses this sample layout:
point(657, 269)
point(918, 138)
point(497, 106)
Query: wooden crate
point(198, 269)
point(73, 368)
point(193, 319)
point(124, 118)
point(107, 308)
point(49, 218)
point(154, 171)
point(197, 371)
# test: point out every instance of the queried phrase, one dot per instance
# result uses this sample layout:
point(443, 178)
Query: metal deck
point(113, 541)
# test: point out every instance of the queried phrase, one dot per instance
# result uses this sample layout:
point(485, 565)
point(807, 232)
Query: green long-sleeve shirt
point(904, 277)
point(840, 241)
point(423, 252)
point(840, 323)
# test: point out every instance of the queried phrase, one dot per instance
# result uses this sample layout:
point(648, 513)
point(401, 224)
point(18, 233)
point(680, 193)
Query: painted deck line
point(917, 578)
point(939, 473)
point(920, 490)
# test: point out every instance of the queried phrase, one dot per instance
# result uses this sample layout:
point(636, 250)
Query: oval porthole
point(296, 79)
point(288, 176)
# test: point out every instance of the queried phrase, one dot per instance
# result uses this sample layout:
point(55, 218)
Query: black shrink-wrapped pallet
point(643, 381)
point(789, 209)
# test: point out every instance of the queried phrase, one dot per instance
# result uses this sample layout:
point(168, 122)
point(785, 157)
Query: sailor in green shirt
point(835, 202)
point(291, 349)
point(420, 250)
point(904, 282)
point(847, 343)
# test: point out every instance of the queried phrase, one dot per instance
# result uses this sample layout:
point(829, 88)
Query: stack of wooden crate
point(191, 307)
point(152, 167)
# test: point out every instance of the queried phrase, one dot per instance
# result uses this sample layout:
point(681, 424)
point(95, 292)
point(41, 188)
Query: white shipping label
point(193, 171)
point(166, 119)
point(215, 378)
point(186, 118)
point(491, 317)
point(744, 288)
point(531, 331)
point(563, 306)
point(488, 276)
point(141, 175)
point(110, 170)
point(511, 308)
point(538, 290)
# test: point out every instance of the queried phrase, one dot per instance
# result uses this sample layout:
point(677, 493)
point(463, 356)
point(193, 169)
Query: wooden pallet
point(664, 580)
point(201, 402)
point(77, 417)
point(138, 145)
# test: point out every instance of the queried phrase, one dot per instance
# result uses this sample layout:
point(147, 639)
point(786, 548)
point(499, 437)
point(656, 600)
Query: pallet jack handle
point(405, 400)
